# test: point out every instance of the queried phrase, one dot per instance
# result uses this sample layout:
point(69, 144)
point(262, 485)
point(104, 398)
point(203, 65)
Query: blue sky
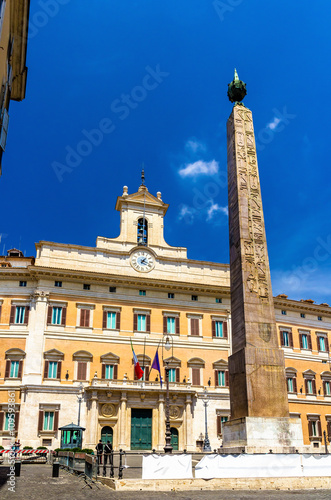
point(151, 77)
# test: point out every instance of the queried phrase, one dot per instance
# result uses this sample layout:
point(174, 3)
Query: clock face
point(142, 261)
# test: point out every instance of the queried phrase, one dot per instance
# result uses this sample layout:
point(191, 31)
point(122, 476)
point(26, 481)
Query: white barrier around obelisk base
point(167, 466)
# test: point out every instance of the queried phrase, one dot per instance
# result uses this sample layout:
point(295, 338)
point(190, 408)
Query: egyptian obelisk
point(258, 395)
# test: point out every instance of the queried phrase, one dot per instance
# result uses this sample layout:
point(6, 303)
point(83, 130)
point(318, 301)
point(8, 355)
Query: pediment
point(221, 363)
point(196, 362)
point(53, 354)
point(172, 362)
point(14, 354)
point(82, 356)
point(111, 357)
point(143, 360)
point(309, 372)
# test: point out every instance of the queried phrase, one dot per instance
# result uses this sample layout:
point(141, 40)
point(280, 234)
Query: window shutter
point(104, 320)
point(281, 338)
point(115, 372)
point(324, 388)
point(12, 315)
point(326, 344)
point(81, 371)
point(290, 335)
point(103, 371)
point(216, 378)
point(134, 374)
point(1, 420)
point(177, 325)
point(135, 322)
point(87, 318)
point(295, 385)
point(329, 427)
point(0, 310)
point(20, 368)
point(309, 342)
point(58, 374)
point(165, 324)
point(17, 420)
point(196, 376)
point(40, 420)
point(226, 378)
point(314, 387)
point(64, 316)
point(310, 428)
point(82, 317)
point(318, 344)
point(46, 369)
point(26, 315)
point(306, 386)
point(225, 330)
point(49, 315)
point(300, 340)
point(213, 328)
point(7, 371)
point(194, 326)
point(219, 425)
point(319, 427)
point(177, 375)
point(148, 323)
point(118, 320)
point(56, 421)
point(146, 370)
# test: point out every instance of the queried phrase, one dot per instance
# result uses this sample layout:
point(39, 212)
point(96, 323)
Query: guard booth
point(71, 436)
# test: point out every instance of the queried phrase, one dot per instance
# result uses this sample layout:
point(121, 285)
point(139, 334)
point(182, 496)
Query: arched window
point(142, 232)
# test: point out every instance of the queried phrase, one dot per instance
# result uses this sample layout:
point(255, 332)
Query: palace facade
point(69, 315)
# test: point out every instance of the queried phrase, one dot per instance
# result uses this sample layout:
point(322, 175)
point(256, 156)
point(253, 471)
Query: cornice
point(297, 305)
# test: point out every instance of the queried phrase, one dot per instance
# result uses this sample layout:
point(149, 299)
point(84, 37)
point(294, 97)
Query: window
point(81, 370)
point(82, 361)
point(52, 369)
point(56, 315)
point(171, 325)
point(85, 318)
point(286, 338)
point(310, 386)
point(19, 315)
point(327, 387)
point(314, 427)
point(109, 371)
point(194, 297)
point(86, 287)
point(194, 326)
point(111, 320)
point(174, 375)
point(141, 322)
point(284, 312)
point(221, 419)
point(171, 295)
point(302, 315)
point(322, 343)
point(58, 283)
point(195, 376)
point(305, 341)
point(22, 283)
point(142, 232)
point(219, 329)
point(146, 371)
point(319, 318)
point(14, 365)
point(291, 384)
point(48, 420)
point(9, 420)
point(221, 378)
point(142, 292)
point(112, 289)
point(219, 301)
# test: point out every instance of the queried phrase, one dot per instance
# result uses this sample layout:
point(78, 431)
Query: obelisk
point(258, 394)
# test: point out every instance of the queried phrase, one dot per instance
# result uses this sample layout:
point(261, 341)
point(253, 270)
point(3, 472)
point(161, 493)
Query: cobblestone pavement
point(36, 482)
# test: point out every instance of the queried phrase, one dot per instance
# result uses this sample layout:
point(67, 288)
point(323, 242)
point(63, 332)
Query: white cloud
point(186, 213)
point(273, 124)
point(199, 167)
point(193, 145)
point(214, 208)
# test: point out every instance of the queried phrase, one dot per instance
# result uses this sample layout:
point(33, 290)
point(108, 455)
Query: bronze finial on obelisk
point(258, 395)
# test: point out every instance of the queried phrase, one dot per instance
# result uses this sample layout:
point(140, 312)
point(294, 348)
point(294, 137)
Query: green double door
point(141, 429)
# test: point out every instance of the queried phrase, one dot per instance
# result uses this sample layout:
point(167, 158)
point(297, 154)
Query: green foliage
point(42, 448)
point(1, 448)
point(89, 451)
point(27, 448)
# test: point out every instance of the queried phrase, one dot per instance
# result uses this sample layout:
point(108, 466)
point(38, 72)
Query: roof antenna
point(143, 175)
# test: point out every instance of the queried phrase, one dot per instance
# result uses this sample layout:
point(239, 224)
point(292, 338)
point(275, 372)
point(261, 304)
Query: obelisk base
point(260, 435)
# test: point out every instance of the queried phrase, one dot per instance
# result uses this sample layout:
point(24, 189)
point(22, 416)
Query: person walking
point(99, 448)
point(108, 449)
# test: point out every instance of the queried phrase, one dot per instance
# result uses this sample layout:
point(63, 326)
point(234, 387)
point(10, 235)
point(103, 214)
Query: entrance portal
point(141, 429)
point(107, 434)
point(174, 438)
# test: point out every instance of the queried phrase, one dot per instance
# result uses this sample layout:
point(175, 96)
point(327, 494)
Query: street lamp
point(168, 344)
point(205, 400)
point(80, 399)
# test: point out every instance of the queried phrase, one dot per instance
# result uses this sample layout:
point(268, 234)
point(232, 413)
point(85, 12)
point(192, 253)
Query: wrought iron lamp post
point(80, 399)
point(205, 400)
point(168, 448)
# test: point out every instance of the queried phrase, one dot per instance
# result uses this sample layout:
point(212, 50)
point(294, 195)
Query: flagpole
point(144, 377)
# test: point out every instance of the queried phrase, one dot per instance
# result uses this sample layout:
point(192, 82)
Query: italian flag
point(139, 372)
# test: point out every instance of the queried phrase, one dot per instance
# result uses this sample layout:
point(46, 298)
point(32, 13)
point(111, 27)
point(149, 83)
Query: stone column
point(188, 416)
point(123, 416)
point(92, 421)
point(33, 363)
point(161, 423)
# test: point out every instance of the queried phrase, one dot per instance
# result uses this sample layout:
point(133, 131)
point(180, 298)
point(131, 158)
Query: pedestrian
point(108, 449)
point(99, 448)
